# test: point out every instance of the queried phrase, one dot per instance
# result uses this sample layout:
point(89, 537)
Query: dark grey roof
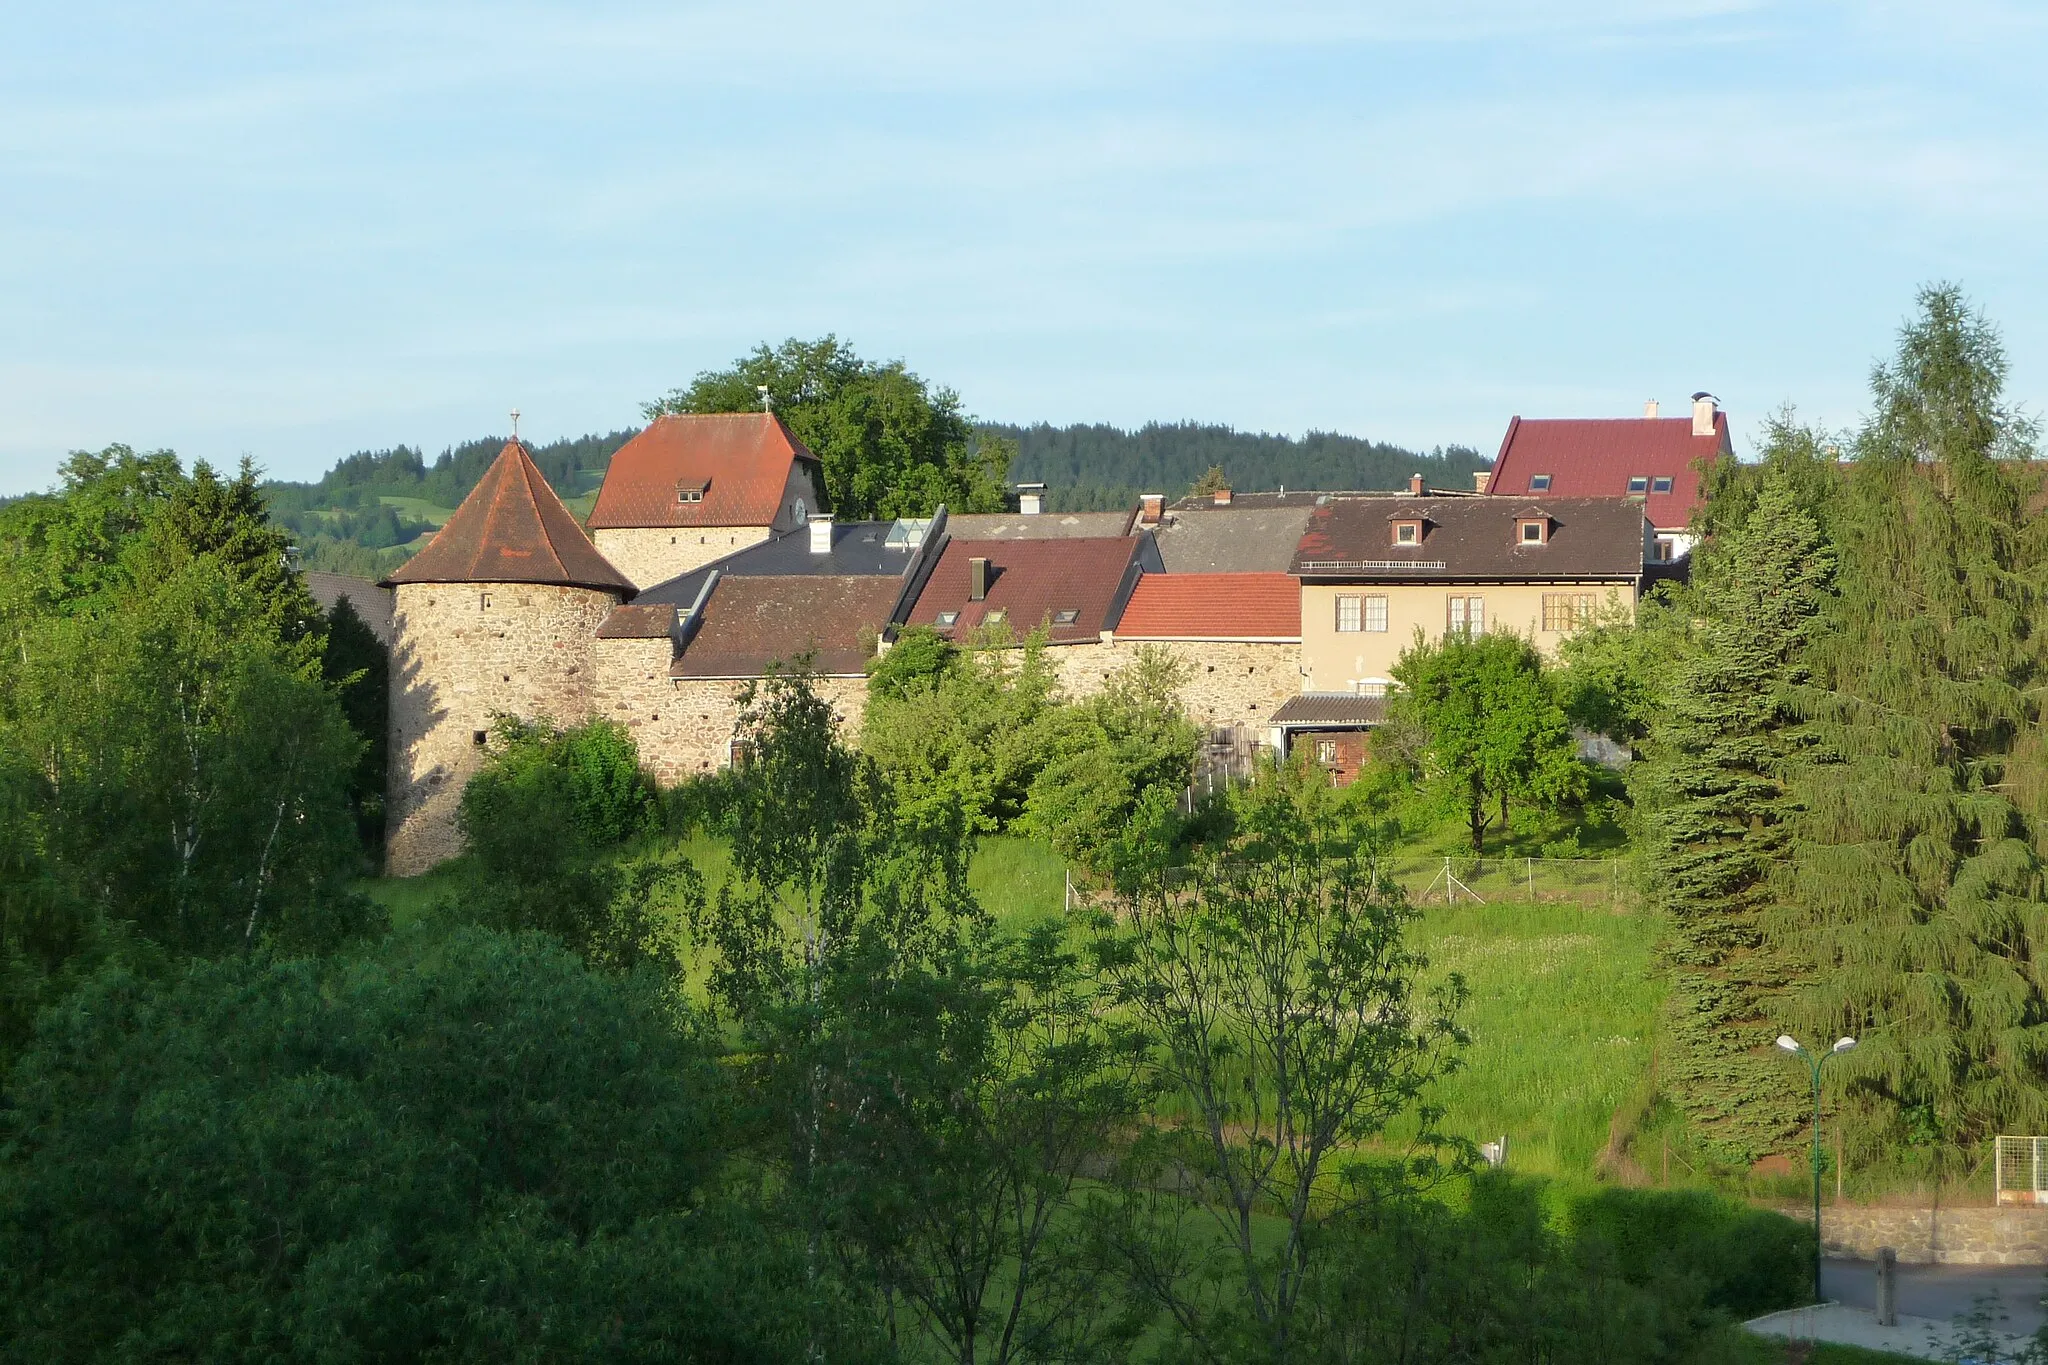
point(1311, 709)
point(1240, 538)
point(1473, 539)
point(860, 549)
point(1038, 526)
point(372, 603)
point(1293, 497)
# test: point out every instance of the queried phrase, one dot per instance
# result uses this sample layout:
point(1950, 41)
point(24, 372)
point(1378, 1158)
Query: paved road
point(1944, 1291)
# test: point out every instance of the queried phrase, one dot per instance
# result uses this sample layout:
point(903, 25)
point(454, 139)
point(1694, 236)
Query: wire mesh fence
point(2022, 1164)
point(1441, 880)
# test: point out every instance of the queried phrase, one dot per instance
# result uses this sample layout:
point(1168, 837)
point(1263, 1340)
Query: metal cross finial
point(515, 424)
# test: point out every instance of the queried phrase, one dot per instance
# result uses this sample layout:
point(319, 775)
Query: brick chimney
point(977, 579)
point(821, 534)
point(1480, 478)
point(1414, 485)
point(1223, 497)
point(1151, 507)
point(1704, 406)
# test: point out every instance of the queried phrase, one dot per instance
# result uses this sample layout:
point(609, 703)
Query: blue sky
point(297, 231)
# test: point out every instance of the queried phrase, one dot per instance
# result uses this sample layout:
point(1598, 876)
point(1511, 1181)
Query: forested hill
point(374, 508)
point(1090, 467)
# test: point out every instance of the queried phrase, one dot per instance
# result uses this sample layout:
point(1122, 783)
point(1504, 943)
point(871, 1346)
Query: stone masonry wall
point(461, 654)
point(2013, 1235)
point(650, 555)
point(1231, 682)
point(684, 726)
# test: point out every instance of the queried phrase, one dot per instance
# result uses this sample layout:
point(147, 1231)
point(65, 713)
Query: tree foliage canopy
point(891, 445)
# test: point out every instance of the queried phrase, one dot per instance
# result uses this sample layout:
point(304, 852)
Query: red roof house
point(1213, 606)
point(512, 528)
point(1074, 588)
point(707, 469)
point(1652, 457)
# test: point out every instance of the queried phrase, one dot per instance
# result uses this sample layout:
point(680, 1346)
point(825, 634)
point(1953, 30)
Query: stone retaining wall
point(1946, 1236)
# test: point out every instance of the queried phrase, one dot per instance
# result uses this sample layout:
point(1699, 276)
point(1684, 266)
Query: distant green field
point(418, 507)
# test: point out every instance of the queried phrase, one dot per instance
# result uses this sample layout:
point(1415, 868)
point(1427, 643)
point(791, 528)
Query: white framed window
point(1466, 616)
point(1376, 612)
point(1567, 611)
point(1407, 533)
point(1530, 531)
point(1539, 483)
point(1326, 751)
point(1661, 484)
point(1638, 483)
point(947, 618)
point(1350, 614)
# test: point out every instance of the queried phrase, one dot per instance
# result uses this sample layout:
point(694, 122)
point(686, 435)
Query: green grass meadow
point(1562, 1011)
point(1562, 1007)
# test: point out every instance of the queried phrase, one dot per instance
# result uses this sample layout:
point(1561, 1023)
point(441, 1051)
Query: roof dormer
point(1407, 527)
point(1532, 528)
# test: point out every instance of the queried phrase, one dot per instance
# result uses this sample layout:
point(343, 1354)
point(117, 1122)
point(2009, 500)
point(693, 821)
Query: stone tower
point(497, 615)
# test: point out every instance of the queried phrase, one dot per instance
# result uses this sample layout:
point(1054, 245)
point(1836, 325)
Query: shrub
point(1747, 1261)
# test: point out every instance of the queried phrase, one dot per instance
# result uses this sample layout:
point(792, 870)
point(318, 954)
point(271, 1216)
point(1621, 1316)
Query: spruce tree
point(1717, 816)
point(1915, 880)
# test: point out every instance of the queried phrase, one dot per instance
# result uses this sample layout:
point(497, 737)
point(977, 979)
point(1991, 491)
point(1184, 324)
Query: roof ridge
point(527, 470)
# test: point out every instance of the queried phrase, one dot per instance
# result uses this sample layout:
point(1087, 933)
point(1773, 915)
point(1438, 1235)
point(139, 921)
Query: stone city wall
point(1228, 682)
point(1946, 1236)
point(650, 555)
point(684, 726)
point(462, 654)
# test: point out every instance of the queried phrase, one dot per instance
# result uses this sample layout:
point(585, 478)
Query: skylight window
point(947, 618)
point(1638, 483)
point(1066, 617)
point(1539, 483)
point(996, 618)
point(1661, 484)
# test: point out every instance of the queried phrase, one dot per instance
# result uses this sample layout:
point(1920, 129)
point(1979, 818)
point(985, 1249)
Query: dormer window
point(1539, 483)
point(1407, 533)
point(1638, 483)
point(691, 490)
point(1532, 531)
point(1661, 484)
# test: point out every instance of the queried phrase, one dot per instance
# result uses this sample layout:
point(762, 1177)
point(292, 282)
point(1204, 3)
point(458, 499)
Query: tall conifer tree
point(1717, 817)
point(1916, 878)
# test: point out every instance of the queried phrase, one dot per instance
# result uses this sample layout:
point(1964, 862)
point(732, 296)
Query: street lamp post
point(1814, 1064)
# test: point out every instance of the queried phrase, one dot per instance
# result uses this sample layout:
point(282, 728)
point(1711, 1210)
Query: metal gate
point(2022, 1170)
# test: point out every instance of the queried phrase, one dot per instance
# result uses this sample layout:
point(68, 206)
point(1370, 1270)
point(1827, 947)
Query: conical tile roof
point(512, 529)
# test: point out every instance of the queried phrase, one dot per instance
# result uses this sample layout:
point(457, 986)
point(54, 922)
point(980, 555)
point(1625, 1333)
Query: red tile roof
point(1213, 606)
point(512, 529)
point(752, 622)
point(1031, 582)
point(1595, 458)
point(741, 460)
